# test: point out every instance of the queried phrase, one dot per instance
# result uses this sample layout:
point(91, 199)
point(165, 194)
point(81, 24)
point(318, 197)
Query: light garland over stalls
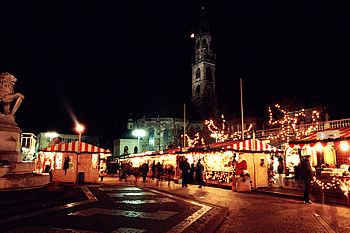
point(220, 135)
point(288, 123)
point(192, 142)
point(238, 134)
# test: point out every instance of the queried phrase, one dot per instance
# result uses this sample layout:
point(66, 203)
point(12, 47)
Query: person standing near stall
point(307, 176)
point(199, 173)
point(185, 167)
point(280, 169)
point(191, 175)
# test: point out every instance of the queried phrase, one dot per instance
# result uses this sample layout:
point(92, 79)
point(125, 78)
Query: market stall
point(217, 160)
point(330, 154)
point(67, 165)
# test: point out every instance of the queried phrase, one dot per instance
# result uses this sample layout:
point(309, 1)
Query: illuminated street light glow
point(79, 128)
point(138, 133)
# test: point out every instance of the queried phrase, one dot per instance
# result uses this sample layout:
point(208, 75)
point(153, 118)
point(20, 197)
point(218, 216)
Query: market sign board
point(329, 134)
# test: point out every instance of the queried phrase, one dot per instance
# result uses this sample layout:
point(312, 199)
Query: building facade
point(159, 134)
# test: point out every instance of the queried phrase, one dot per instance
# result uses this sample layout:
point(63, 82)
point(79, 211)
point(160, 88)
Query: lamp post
point(139, 133)
point(79, 128)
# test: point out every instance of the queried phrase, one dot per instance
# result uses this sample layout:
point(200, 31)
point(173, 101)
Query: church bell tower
point(204, 94)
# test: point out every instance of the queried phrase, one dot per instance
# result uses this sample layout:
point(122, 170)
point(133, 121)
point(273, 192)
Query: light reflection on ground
point(158, 215)
point(152, 201)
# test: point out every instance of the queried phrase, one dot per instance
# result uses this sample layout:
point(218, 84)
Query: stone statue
point(7, 94)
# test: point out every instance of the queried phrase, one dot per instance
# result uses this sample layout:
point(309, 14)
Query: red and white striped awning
point(74, 146)
point(246, 145)
point(344, 133)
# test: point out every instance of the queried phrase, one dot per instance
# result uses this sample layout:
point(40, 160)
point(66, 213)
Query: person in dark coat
point(307, 176)
point(144, 170)
point(185, 167)
point(191, 179)
point(280, 169)
point(199, 174)
point(153, 167)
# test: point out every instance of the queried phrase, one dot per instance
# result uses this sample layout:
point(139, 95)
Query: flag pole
point(240, 80)
point(184, 125)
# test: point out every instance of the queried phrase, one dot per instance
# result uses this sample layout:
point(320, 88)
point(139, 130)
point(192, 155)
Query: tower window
point(151, 139)
point(198, 73)
point(198, 91)
point(126, 150)
point(208, 74)
point(165, 137)
point(204, 43)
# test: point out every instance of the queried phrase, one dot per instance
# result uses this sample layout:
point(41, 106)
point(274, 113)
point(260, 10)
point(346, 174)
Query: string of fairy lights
point(335, 184)
point(289, 123)
point(219, 133)
point(192, 142)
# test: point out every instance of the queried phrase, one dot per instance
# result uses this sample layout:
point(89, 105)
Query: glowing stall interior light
point(344, 145)
point(319, 147)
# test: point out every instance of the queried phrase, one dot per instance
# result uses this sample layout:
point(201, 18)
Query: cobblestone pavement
point(247, 212)
point(105, 207)
point(261, 212)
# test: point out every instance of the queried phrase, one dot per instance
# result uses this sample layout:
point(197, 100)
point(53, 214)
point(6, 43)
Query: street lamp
point(79, 128)
point(139, 133)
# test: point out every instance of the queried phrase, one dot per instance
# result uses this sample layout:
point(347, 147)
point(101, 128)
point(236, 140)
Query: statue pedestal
point(10, 135)
point(14, 173)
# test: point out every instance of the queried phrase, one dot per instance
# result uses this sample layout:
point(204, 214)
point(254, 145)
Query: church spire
point(203, 24)
point(204, 94)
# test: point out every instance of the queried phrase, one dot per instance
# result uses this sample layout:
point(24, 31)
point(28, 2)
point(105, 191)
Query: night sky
point(98, 61)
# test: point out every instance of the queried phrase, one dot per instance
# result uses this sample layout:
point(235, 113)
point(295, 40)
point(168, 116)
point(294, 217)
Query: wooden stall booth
point(217, 159)
point(72, 162)
point(330, 153)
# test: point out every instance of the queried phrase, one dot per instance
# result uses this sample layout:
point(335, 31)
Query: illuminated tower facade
point(204, 94)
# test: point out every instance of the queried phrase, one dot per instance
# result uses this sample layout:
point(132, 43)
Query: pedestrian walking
point(199, 174)
point(191, 179)
point(144, 171)
point(154, 167)
point(159, 172)
point(185, 167)
point(307, 176)
point(280, 169)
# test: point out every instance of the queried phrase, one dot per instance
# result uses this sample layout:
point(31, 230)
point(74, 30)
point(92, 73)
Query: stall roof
point(325, 135)
point(245, 145)
point(73, 147)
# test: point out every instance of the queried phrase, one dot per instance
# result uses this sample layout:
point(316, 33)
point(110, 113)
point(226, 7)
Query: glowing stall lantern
point(344, 145)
